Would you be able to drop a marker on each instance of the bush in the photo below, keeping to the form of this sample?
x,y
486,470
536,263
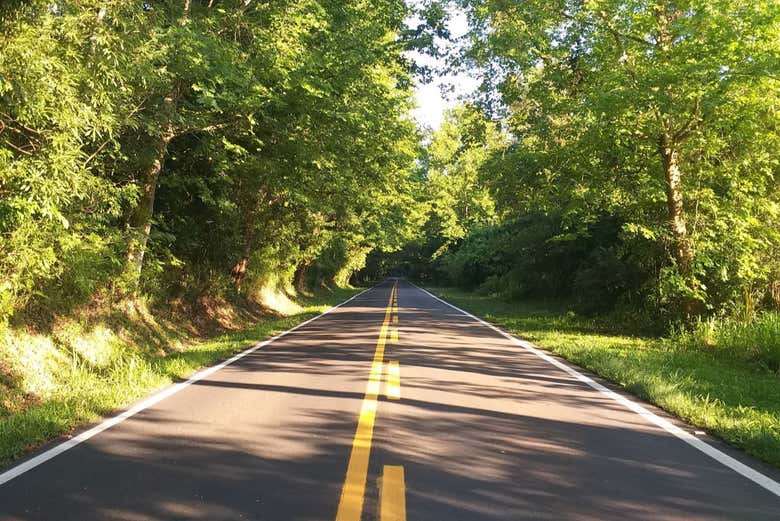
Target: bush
x,y
756,340
539,256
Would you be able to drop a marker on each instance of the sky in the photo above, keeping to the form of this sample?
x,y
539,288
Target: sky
x,y
431,103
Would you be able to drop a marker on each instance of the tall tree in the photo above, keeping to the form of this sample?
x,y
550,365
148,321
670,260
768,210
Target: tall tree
x,y
610,99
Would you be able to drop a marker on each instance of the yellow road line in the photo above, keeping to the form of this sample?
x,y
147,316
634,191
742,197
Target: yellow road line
x,y
392,495
395,319
393,381
394,334
354,489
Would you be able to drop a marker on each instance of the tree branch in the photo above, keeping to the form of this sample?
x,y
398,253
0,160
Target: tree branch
x,y
21,150
602,15
690,125
94,154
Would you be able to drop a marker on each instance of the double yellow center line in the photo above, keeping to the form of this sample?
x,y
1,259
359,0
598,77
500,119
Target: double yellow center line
x,y
353,491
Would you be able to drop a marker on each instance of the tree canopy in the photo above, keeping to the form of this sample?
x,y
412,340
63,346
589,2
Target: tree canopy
x,y
620,153
639,166
165,147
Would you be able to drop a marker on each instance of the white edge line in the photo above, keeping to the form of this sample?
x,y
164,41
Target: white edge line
x,y
718,455
45,456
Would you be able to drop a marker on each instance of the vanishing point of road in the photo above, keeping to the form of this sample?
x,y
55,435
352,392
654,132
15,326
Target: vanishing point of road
x,y
392,406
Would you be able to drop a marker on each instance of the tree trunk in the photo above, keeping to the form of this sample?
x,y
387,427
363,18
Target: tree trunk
x,y
185,12
140,222
299,278
681,248
239,271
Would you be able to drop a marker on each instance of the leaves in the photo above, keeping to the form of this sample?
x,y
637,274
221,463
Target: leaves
x,y
284,128
599,105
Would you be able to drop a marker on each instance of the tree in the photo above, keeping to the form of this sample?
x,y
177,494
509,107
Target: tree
x,y
192,140
615,103
459,199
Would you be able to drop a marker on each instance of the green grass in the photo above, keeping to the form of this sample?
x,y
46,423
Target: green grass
x,y
755,340
52,384
721,390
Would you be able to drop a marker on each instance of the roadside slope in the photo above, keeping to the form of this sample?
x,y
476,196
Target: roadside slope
x,y
56,382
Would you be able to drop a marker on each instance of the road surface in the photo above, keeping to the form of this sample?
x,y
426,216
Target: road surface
x,y
393,406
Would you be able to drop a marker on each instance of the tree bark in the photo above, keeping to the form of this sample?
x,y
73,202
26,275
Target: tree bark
x,y
681,248
249,233
299,278
239,271
140,221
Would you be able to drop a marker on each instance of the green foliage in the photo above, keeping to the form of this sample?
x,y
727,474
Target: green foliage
x,y
539,256
619,154
608,101
755,340
448,198
162,151
452,160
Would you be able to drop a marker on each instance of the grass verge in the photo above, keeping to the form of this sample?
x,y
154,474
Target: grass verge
x,y
52,383
730,397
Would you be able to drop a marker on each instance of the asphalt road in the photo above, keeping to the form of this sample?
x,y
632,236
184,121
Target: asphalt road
x,y
446,417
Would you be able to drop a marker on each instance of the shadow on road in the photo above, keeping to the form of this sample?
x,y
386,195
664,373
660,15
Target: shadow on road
x,y
485,431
